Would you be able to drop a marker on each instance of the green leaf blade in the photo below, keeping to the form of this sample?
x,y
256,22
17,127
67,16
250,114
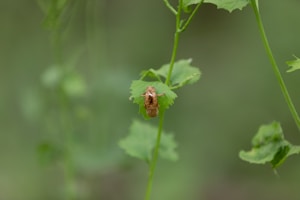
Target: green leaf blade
x,y
293,64
187,3
294,150
281,155
229,5
268,133
141,141
183,73
260,155
269,146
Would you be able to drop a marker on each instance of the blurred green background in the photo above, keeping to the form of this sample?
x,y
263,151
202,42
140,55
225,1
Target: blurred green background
x,y
104,45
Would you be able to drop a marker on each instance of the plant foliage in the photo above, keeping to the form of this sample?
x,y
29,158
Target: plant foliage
x,y
141,141
293,64
228,5
269,146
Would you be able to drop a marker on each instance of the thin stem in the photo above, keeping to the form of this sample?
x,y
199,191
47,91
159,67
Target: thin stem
x,y
191,16
175,44
275,67
170,7
155,156
65,120
162,114
69,173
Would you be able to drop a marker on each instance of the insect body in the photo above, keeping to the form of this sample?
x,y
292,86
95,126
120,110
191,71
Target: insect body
x,y
151,101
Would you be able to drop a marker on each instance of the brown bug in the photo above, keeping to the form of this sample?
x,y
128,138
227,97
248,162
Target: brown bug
x,y
151,101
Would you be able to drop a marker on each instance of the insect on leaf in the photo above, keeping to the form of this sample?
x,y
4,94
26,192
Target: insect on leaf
x,y
165,99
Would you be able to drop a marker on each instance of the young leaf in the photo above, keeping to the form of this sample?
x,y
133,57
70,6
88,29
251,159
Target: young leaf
x,y
183,73
294,64
141,141
270,146
229,5
138,88
151,73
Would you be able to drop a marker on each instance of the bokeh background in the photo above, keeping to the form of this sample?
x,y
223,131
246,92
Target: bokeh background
x,y
103,45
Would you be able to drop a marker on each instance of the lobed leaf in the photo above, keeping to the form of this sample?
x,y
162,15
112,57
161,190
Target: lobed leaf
x,y
268,133
293,64
138,88
183,73
270,146
229,5
141,141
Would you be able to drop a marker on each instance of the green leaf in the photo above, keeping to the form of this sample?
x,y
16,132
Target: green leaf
x,y
267,134
187,3
138,88
183,73
141,141
262,154
281,155
229,5
151,73
293,64
270,146
294,150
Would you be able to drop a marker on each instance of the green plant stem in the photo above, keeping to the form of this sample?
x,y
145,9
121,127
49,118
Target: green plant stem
x,y
162,114
155,156
66,125
191,16
68,161
175,43
170,7
274,66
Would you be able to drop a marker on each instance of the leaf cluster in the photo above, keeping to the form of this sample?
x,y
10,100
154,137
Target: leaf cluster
x,y
183,74
141,139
